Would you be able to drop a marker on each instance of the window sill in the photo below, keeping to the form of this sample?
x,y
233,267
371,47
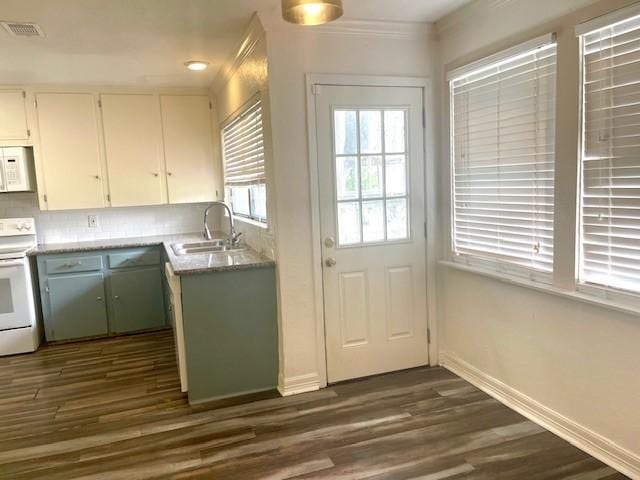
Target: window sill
x,y
249,221
541,287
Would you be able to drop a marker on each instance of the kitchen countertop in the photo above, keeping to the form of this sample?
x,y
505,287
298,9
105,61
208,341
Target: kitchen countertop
x,y
182,265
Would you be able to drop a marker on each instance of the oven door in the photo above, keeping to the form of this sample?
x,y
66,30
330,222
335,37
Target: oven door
x,y
16,295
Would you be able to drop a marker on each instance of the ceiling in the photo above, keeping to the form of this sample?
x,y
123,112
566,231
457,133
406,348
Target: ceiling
x,y
146,42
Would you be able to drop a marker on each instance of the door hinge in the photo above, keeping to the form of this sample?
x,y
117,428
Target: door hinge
x,y
35,103
24,94
108,197
99,103
28,132
210,105
428,335
45,197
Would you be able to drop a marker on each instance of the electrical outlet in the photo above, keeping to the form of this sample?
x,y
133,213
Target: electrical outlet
x,y
93,221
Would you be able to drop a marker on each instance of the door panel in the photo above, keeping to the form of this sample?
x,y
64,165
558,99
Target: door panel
x,y
372,211
70,150
77,306
188,147
13,115
137,300
133,147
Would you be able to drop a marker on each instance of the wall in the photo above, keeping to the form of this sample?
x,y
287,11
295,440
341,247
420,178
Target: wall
x,y
362,49
72,225
244,76
575,361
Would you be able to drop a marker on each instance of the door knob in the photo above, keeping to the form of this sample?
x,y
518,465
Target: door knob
x,y
329,242
330,262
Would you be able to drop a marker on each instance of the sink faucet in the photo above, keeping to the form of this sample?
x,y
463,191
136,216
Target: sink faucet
x,y
233,236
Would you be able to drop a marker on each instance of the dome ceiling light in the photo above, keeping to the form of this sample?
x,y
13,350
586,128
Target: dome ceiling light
x,y
311,12
196,65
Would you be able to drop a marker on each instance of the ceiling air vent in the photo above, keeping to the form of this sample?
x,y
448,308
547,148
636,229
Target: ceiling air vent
x,y
23,29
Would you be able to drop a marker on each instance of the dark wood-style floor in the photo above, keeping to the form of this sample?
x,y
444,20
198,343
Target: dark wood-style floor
x,y
112,409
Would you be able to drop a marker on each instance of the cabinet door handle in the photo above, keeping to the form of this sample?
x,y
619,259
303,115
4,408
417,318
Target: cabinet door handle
x,y
99,299
116,297
155,174
97,177
169,173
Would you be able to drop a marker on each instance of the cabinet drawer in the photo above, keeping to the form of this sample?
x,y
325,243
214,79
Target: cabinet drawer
x,y
73,264
134,259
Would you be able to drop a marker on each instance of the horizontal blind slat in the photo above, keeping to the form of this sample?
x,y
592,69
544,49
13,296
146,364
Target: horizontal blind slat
x,y
243,148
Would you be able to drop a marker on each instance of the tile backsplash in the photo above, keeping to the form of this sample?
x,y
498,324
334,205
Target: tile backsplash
x,y
73,225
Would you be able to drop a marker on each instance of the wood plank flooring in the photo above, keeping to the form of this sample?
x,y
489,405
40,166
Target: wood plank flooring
x,y
112,409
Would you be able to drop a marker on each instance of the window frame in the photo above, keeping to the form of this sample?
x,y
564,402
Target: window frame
x,y
229,188
605,293
493,265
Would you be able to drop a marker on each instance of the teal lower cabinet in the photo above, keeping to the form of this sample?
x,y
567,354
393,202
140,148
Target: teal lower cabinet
x,y
230,332
77,306
137,299
101,293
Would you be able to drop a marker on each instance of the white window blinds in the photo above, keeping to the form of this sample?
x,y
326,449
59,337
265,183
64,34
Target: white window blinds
x,y
503,142
610,200
243,148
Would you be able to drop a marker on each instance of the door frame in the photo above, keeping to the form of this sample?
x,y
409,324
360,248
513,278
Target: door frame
x,y
314,80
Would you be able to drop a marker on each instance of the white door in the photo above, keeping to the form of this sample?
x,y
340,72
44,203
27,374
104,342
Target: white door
x,y
70,150
133,144
188,148
372,210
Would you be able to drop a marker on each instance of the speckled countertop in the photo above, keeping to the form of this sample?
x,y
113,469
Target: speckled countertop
x,y
182,265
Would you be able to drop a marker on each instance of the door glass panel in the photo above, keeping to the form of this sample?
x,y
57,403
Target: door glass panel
x,y
396,172
371,131
371,185
394,131
347,178
349,223
397,218
372,221
345,127
371,172
6,299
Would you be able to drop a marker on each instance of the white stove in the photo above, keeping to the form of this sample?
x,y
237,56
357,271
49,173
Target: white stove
x,y
19,330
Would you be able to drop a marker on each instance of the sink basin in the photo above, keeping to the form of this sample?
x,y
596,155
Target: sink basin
x,y
209,246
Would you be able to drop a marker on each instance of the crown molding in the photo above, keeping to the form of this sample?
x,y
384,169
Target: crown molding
x,y
253,35
357,28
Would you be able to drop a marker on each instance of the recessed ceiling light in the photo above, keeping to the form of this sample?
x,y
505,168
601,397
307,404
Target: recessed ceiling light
x,y
196,65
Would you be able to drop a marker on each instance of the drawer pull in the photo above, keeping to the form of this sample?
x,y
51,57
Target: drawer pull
x,y
72,264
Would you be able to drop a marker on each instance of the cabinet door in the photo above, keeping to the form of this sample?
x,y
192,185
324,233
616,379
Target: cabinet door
x,y
137,300
70,150
132,136
13,115
77,307
188,148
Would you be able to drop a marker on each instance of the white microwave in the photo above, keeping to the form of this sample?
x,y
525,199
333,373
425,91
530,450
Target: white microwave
x,y
17,169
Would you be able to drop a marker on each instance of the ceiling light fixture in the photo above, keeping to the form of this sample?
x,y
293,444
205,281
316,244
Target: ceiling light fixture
x,y
311,12
196,65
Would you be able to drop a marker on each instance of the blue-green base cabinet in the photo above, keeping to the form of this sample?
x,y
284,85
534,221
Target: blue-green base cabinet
x,y
100,293
231,333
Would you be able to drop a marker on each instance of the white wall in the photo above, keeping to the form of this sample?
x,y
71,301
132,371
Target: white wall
x,y
579,360
72,225
292,53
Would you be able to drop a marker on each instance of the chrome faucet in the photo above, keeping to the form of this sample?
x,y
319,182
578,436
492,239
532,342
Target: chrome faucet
x,y
234,237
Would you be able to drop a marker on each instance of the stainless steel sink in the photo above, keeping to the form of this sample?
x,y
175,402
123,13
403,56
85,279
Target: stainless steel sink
x,y
209,246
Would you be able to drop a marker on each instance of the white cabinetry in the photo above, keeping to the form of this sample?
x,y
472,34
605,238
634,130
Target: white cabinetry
x,y
13,115
70,158
188,148
133,146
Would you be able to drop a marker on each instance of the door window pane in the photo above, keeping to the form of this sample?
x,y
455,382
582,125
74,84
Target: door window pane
x,y
347,178
394,136
345,126
397,219
370,131
371,172
396,173
372,221
348,223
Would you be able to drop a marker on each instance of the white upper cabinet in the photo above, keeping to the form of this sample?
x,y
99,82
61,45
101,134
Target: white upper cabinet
x,y
70,151
188,146
133,146
13,115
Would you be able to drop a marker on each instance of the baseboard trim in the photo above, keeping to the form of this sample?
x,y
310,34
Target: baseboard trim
x,y
309,382
587,440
